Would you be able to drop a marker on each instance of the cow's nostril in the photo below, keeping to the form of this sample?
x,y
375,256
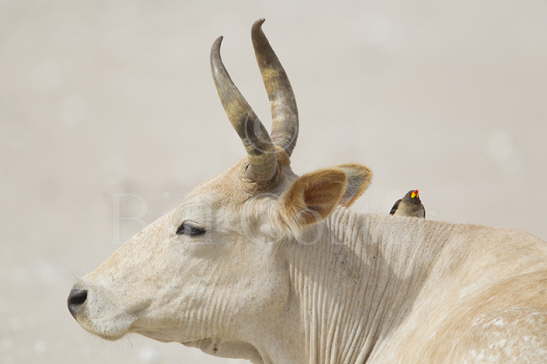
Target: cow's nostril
x,y
75,299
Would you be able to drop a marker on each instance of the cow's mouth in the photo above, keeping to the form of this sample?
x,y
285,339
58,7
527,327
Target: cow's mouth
x,y
108,329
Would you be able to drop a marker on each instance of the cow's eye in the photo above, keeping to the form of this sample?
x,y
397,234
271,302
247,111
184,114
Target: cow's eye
x,y
190,228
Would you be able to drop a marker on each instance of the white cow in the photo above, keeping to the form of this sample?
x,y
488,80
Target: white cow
x,y
261,264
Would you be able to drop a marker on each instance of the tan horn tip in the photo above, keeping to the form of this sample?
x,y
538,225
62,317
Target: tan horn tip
x,y
257,24
215,54
217,42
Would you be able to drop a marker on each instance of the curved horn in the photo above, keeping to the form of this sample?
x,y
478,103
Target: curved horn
x,y
280,93
257,142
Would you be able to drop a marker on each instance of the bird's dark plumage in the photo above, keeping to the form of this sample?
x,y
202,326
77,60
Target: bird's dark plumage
x,y
395,206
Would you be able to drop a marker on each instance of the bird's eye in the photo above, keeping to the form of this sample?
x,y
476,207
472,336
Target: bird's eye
x,y
190,229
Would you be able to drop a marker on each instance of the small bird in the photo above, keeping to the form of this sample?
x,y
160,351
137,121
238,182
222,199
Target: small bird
x,y
409,205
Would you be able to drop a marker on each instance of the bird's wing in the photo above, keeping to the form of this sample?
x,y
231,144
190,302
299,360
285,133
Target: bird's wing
x,y
395,206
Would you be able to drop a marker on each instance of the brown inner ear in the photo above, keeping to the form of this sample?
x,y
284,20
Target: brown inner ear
x,y
314,196
320,196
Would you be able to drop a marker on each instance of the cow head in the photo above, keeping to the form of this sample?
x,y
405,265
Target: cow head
x,y
217,264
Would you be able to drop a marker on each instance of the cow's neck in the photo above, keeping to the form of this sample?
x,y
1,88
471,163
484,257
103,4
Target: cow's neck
x,y
353,286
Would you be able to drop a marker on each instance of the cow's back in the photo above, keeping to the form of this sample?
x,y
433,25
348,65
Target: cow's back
x,y
485,301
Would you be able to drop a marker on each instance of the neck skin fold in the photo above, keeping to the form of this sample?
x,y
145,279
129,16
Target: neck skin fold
x,y
353,279
356,283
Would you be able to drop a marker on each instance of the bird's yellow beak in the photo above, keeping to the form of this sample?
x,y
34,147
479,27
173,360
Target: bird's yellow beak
x,y
414,194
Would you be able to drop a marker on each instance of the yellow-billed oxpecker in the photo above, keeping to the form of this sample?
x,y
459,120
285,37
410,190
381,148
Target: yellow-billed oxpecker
x,y
409,205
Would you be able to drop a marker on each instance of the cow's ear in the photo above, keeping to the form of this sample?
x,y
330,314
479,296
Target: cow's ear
x,y
358,177
313,196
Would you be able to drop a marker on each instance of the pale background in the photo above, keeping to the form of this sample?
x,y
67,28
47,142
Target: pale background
x,y
107,104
